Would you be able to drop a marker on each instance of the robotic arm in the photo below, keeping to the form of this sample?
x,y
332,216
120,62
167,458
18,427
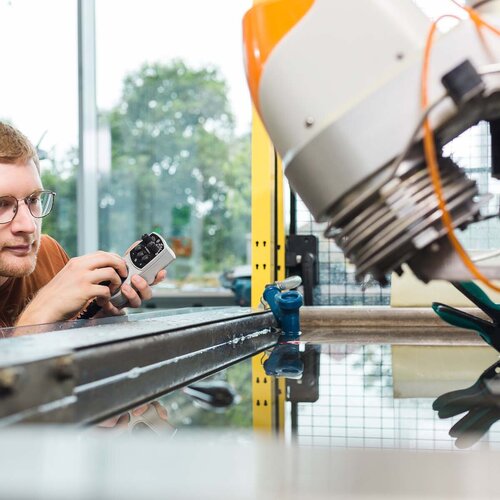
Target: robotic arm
x,y
337,85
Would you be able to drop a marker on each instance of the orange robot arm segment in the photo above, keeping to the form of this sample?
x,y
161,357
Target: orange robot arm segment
x,y
264,25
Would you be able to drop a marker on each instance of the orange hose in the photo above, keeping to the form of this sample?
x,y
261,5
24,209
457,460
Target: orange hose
x,y
476,18
430,151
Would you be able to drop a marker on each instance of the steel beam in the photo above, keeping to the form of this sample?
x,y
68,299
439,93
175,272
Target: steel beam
x,y
101,368
382,325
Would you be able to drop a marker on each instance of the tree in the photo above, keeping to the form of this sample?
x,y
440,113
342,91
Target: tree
x,y
177,165
61,224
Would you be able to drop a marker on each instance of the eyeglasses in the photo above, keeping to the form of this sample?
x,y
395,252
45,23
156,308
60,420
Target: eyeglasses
x,y
39,203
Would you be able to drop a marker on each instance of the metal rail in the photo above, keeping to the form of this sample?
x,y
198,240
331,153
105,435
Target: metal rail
x,y
84,372
383,325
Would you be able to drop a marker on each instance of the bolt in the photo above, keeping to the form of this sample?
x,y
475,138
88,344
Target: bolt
x,y
8,379
309,121
63,368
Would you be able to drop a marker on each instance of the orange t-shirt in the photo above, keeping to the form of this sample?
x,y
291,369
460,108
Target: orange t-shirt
x,y
16,293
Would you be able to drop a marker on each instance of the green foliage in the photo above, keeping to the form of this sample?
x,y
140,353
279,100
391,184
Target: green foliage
x,y
180,219
177,165
61,224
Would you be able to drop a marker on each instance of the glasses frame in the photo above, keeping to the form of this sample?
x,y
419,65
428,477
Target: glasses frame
x,y
25,199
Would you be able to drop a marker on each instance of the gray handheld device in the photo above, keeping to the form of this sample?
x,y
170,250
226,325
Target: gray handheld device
x,y
147,258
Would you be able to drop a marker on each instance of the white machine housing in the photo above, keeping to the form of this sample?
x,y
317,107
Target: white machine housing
x,y
340,98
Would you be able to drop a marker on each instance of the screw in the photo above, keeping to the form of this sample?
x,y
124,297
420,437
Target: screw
x,y
63,368
8,378
309,121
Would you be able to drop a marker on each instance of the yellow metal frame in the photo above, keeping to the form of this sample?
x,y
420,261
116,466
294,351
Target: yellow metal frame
x,y
268,265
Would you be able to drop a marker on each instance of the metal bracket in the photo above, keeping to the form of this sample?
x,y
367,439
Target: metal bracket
x,y
301,258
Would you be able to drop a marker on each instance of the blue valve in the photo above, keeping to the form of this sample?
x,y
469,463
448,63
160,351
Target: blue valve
x,y
284,360
285,307
289,304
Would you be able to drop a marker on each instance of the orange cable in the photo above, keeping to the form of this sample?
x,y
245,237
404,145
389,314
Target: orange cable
x,y
476,18
431,157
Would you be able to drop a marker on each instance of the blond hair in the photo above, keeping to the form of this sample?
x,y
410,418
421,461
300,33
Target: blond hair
x,y
15,146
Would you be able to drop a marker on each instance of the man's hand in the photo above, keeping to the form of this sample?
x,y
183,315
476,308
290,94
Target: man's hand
x,y
74,286
135,295
152,415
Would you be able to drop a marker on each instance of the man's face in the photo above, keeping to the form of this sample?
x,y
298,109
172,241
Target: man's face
x,y
20,238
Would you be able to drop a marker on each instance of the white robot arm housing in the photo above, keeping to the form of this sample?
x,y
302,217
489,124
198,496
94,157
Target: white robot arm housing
x,y
337,85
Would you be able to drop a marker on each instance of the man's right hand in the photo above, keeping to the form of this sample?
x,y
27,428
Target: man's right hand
x,y
74,286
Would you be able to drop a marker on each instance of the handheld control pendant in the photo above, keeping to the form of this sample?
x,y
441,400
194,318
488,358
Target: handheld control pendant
x,y
147,258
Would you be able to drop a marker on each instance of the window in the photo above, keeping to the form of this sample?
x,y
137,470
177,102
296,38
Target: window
x,y
39,95
174,122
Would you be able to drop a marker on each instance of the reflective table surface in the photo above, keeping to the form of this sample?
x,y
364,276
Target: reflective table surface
x,y
364,396
439,394
354,422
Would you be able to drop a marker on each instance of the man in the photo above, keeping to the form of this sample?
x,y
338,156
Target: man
x,y
38,281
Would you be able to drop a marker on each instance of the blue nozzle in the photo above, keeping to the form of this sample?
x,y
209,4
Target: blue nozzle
x,y
285,307
289,303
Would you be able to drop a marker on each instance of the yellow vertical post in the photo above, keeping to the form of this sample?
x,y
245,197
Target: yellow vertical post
x,y
268,265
